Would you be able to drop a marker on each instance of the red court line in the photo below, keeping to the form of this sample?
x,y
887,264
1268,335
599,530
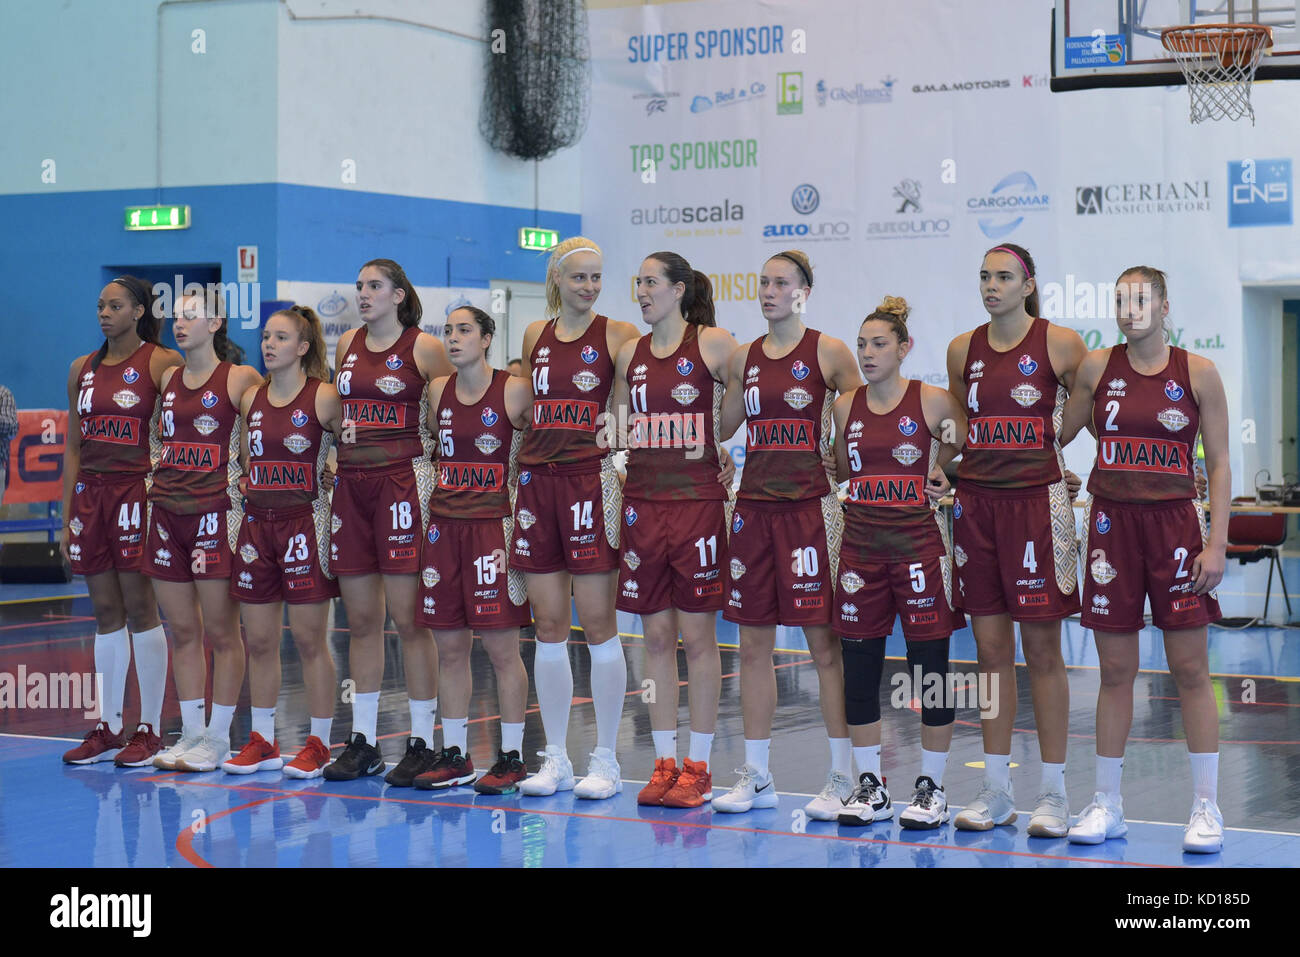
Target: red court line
x,y
194,858
185,839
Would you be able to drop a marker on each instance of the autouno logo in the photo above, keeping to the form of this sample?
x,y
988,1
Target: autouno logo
x,y
77,910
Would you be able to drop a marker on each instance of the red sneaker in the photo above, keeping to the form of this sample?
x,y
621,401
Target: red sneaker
x,y
694,786
141,749
99,745
257,755
310,762
505,775
661,782
451,770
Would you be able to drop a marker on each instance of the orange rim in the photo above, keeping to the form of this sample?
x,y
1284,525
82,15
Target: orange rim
x,y
1232,43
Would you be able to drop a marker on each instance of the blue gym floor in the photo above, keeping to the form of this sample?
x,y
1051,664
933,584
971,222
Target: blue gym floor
x,y
53,815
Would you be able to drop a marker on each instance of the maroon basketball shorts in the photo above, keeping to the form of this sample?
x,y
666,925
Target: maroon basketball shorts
x,y
191,547
108,523
1015,551
869,594
672,556
782,559
281,556
465,577
379,519
567,518
1139,550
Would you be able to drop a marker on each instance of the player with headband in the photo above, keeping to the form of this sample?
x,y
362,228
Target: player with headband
x,y
567,512
893,437
1013,527
785,532
1146,400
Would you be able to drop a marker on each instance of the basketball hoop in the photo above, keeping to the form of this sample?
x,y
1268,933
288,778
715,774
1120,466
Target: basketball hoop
x,y
1219,62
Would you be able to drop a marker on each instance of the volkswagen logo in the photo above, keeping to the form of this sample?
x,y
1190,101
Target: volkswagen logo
x,y
805,199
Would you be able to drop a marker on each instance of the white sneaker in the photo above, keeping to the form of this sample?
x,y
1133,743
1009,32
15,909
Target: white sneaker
x,y
993,806
1051,817
869,802
1204,832
604,778
835,793
207,755
754,789
556,774
166,760
929,807
1100,821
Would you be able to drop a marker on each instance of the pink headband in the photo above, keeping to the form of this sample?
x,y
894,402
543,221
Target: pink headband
x,y
1003,249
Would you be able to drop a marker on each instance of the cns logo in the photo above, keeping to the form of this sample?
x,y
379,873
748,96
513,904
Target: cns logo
x,y
1259,192
1002,209
805,199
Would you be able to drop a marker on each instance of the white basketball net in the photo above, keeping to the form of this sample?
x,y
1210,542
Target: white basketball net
x,y
1219,64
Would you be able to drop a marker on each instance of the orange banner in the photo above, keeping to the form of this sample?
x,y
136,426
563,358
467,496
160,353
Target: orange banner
x,y
36,456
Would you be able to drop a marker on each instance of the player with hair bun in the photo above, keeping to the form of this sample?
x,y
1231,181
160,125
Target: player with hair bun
x,y
112,447
1146,400
895,561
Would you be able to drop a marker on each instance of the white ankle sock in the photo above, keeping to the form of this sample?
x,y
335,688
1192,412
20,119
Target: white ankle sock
x,y
867,759
701,746
192,717
997,769
422,712
1109,771
455,733
264,724
933,764
365,713
756,753
1205,775
665,744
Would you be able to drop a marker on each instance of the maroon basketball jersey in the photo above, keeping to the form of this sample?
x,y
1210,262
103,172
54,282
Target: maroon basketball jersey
x,y
890,456
199,467
476,446
1146,431
118,405
788,423
287,447
1014,405
384,398
673,424
571,388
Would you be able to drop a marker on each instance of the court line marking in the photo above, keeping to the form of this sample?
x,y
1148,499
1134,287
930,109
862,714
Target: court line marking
x,y
185,839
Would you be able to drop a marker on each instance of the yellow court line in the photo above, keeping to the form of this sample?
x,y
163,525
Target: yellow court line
x,y
23,601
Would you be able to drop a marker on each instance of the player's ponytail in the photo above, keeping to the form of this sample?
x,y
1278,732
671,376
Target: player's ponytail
x,y
697,297
1031,272
314,362
146,324
409,310
893,310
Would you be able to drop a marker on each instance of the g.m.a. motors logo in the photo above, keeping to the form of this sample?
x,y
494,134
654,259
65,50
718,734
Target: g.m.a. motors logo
x,y
1259,192
1003,208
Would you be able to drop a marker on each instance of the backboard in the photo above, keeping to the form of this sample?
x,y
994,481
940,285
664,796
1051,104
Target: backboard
x,y
1101,43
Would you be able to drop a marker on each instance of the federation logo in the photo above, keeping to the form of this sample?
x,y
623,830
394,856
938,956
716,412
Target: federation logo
x,y
434,534
907,453
1173,419
684,365
430,577
487,416
297,444
126,398
393,362
209,399
799,370
129,375
1027,365
737,568
737,523
1025,395
589,354
798,398
1173,390
81,487
299,418
852,582
684,393
526,519
76,525
632,560
959,555
206,424
390,384
956,508
248,553
907,426
525,478
586,380
1103,573
487,443
629,515
1103,523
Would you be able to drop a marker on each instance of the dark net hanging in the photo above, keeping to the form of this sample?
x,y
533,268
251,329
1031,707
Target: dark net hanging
x,y
539,78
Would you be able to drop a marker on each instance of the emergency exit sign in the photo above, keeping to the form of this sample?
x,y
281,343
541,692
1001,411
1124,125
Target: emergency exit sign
x,y
531,237
157,217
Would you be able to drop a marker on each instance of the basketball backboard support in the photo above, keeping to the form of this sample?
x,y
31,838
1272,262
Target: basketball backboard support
x,y
1103,43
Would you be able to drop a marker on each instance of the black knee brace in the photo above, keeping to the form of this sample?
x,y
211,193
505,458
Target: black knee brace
x,y
932,658
864,661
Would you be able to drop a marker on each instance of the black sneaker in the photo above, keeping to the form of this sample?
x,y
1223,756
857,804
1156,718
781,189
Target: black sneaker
x,y
358,759
504,777
417,759
452,769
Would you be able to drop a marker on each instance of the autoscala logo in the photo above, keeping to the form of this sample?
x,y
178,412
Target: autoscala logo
x,y
725,212
1259,192
907,224
959,86
733,96
859,95
1003,208
805,199
1121,199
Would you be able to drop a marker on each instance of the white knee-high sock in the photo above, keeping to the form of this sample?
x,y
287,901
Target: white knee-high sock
x,y
608,689
151,670
553,676
112,658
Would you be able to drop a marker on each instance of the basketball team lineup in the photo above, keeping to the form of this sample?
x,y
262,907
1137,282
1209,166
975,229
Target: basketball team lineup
x,y
417,482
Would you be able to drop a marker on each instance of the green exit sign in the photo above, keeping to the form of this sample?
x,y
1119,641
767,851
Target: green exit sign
x,y
157,217
531,237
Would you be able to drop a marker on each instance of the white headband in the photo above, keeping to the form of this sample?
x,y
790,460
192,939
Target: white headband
x,y
577,249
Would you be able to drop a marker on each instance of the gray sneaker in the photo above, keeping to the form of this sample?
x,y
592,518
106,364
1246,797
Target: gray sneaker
x,y
993,806
166,760
1051,817
207,755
